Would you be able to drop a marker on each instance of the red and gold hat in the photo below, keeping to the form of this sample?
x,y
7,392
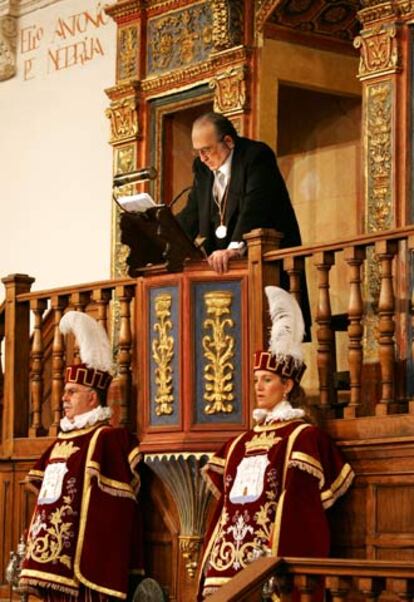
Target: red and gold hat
x,y
94,351
285,354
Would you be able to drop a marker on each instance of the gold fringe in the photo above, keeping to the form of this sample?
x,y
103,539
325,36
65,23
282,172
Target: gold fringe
x,y
209,482
309,469
108,489
37,583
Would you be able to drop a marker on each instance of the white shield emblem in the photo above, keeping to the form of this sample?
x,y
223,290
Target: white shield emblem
x,y
249,481
52,483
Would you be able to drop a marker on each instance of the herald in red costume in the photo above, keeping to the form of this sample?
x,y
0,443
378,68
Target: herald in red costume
x,y
274,484
82,530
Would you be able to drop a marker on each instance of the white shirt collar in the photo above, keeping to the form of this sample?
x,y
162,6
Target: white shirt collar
x,y
225,168
281,412
98,414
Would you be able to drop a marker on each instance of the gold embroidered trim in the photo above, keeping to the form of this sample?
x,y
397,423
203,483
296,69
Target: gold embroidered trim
x,y
209,481
216,581
82,524
35,474
110,486
338,487
308,464
28,573
218,461
291,441
278,523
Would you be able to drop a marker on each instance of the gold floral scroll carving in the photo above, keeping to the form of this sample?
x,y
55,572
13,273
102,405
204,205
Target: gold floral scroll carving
x,y
379,51
230,90
8,37
227,23
163,354
124,120
127,53
218,350
190,546
379,98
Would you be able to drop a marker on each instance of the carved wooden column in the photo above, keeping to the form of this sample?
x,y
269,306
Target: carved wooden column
x,y
385,74
260,274
38,306
79,300
324,261
354,256
58,304
17,353
339,587
125,295
8,42
101,297
294,267
385,250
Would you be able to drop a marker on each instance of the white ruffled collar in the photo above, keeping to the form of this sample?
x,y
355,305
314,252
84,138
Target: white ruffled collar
x,y
281,412
98,414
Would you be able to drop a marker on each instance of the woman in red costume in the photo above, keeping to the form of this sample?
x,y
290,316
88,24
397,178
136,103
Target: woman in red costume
x,y
275,481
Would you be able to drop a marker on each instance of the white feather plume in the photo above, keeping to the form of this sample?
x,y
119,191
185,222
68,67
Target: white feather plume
x,y
288,327
94,347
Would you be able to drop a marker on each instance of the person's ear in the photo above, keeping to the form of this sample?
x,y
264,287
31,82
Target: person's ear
x,y
229,142
289,384
93,399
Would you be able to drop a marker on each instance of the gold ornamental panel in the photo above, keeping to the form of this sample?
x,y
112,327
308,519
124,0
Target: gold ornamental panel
x,y
123,117
218,347
127,67
230,90
163,355
8,38
379,51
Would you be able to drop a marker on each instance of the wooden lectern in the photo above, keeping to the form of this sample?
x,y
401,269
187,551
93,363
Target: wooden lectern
x,y
156,238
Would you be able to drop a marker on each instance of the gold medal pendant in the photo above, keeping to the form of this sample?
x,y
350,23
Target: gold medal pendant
x,y
221,231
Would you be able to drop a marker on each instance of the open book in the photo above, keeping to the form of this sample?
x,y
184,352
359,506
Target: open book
x,y
137,203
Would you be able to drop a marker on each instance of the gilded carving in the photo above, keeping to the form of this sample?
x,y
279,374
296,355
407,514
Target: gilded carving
x,y
230,90
227,23
163,354
8,37
179,38
124,120
378,101
127,53
181,474
263,10
190,547
218,350
125,159
379,51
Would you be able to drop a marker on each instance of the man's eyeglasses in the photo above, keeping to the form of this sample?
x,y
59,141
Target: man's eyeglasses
x,y
205,151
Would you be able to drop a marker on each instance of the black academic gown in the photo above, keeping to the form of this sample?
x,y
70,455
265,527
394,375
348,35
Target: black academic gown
x,y
257,197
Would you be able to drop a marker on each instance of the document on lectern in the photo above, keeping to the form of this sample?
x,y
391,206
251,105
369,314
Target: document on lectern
x,y
137,203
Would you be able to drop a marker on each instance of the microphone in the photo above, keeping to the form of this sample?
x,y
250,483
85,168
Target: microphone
x,y
140,175
179,195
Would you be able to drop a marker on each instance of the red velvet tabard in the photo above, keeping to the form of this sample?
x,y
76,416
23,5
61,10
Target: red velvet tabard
x,y
82,529
273,483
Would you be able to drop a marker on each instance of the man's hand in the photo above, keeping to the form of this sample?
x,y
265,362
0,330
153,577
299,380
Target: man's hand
x,y
219,260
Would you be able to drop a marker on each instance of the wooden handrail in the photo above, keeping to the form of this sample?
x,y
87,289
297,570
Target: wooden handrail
x,y
67,290
362,240
251,579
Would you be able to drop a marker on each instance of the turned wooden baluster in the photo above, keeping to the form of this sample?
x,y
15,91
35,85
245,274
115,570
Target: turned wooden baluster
x,y
294,267
101,297
37,306
354,256
125,295
306,585
79,301
339,587
324,261
370,587
385,251
58,304
403,588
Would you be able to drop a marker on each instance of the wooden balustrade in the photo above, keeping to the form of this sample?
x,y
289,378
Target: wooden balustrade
x,y
360,269
2,333
344,580
263,267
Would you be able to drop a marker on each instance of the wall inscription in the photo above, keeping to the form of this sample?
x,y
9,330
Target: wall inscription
x,y
68,41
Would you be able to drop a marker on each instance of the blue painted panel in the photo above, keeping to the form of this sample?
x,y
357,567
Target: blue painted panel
x,y
174,418
199,316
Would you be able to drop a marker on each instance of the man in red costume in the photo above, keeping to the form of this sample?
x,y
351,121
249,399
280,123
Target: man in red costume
x,y
84,538
275,481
